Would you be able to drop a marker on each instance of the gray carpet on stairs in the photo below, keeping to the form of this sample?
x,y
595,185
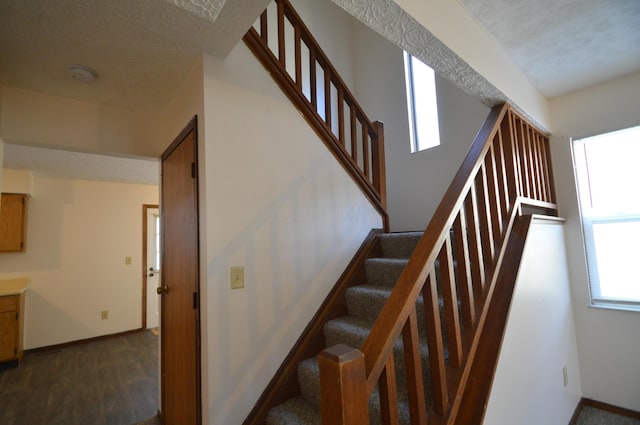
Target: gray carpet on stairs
x,y
364,304
592,416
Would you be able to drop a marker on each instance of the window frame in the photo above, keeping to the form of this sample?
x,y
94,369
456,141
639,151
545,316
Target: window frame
x,y
420,143
591,215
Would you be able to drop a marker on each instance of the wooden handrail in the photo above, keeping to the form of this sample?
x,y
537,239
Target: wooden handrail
x,y
507,168
301,68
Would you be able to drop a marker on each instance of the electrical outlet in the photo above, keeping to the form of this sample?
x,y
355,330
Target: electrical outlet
x,y
104,314
237,277
127,261
565,376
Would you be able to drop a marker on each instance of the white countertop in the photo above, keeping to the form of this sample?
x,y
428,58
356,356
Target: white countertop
x,y
13,286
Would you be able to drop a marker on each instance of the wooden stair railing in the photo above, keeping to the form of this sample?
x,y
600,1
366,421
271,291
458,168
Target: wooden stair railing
x,y
508,168
286,48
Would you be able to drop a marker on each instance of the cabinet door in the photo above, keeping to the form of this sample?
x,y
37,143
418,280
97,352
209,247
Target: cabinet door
x,y
13,211
8,335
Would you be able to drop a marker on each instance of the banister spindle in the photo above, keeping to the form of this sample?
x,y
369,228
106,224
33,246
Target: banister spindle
x,y
389,394
463,270
413,370
327,96
365,150
503,181
450,298
484,214
435,344
475,246
281,42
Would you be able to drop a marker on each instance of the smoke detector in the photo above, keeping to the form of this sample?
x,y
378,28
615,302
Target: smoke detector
x,y
82,73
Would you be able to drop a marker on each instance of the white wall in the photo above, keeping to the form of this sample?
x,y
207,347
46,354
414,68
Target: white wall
x,y
41,119
415,182
608,340
79,233
528,387
16,181
277,202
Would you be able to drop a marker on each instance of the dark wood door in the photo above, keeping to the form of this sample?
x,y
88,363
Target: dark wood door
x,y
180,313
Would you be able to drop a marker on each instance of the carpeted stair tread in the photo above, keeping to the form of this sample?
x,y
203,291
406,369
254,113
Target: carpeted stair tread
x,y
399,245
295,411
364,303
384,271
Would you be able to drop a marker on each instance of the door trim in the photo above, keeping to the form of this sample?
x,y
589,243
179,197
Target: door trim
x,y
192,126
145,267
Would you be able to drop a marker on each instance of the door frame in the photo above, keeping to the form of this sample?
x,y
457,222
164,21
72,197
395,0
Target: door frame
x,y
192,126
145,267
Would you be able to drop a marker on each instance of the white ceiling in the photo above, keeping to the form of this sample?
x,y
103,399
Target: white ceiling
x,y
565,45
143,49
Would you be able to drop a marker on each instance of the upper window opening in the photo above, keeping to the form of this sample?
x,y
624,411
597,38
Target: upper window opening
x,y
607,174
422,104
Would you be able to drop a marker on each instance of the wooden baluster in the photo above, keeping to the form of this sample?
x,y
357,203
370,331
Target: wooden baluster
x,y
263,27
552,187
327,96
503,179
389,394
343,396
524,157
475,247
313,78
511,158
531,163
281,42
463,270
365,150
484,215
542,174
494,196
545,170
413,370
377,162
298,55
341,116
435,344
354,135
450,298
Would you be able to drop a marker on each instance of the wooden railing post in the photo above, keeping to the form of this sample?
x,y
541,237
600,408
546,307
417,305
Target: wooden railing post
x,y
343,393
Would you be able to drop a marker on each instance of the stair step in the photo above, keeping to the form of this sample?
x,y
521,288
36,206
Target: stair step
x,y
384,272
399,245
296,411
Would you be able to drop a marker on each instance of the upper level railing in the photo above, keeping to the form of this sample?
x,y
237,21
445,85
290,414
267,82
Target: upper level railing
x,y
284,45
507,168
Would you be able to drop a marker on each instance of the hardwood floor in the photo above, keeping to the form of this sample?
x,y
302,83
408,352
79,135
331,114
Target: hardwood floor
x,y
106,382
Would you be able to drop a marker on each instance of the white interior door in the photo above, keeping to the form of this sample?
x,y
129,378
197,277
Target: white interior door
x,y
153,267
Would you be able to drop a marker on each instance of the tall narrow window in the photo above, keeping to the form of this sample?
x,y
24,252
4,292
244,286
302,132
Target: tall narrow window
x,y
608,176
422,104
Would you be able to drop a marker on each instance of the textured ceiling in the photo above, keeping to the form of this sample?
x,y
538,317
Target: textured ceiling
x,y
47,162
141,49
565,45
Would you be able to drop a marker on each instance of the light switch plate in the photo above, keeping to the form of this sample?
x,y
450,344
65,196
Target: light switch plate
x,y
237,277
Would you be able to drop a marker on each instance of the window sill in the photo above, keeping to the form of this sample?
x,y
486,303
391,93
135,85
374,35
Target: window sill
x,y
618,307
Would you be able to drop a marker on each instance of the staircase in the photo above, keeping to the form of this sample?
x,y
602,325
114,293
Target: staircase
x,y
364,303
415,323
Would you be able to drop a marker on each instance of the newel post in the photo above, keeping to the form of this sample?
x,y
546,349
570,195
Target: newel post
x,y
343,394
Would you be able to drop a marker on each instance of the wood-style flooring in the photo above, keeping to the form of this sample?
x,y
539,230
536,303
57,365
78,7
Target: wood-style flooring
x,y
112,381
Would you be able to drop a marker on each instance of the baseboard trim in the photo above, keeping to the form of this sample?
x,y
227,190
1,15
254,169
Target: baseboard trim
x,y
602,406
57,347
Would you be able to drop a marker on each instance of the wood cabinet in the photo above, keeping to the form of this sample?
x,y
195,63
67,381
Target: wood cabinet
x,y
13,222
11,326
